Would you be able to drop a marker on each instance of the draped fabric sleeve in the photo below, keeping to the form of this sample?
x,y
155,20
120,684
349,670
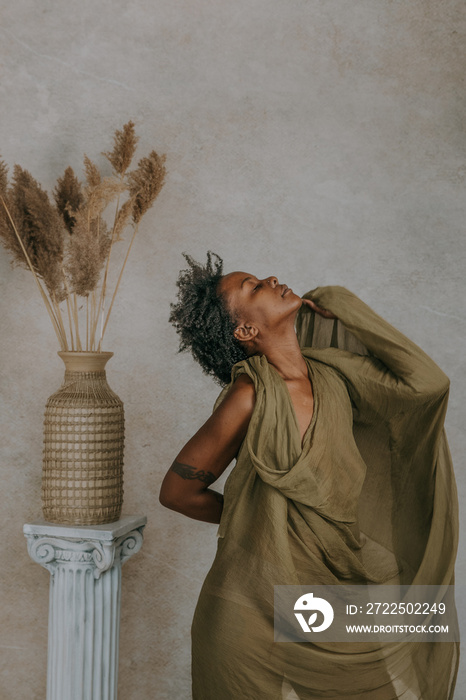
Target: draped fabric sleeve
x,y
396,377
409,499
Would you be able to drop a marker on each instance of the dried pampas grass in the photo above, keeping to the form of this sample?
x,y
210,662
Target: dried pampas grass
x,y
68,245
68,197
125,142
41,231
86,254
145,183
3,177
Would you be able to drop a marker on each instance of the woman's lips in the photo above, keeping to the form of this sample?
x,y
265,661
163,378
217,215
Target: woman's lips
x,y
286,290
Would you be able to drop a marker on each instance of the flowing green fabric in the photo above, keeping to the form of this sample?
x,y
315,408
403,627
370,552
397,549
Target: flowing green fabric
x,y
368,497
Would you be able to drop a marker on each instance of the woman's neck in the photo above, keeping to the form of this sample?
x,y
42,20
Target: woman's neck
x,y
284,353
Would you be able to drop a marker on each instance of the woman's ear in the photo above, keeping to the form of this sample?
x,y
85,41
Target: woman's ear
x,y
245,333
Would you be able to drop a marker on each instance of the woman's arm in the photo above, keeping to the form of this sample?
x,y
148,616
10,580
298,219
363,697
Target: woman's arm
x,y
411,368
207,454
397,377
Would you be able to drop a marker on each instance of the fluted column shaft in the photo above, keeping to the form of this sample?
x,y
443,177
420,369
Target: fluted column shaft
x,y
84,609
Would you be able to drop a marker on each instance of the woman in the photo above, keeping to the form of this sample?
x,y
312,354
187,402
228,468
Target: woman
x,y
342,476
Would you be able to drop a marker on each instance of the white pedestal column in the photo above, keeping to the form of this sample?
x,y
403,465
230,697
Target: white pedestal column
x,y
84,609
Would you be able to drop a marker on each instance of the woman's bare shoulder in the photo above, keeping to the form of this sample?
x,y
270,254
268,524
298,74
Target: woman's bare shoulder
x,y
241,396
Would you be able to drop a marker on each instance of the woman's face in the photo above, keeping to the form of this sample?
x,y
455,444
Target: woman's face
x,y
263,303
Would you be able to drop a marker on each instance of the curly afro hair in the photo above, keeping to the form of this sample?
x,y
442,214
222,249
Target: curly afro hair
x,y
202,320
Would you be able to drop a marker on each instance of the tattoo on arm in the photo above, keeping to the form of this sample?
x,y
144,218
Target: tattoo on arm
x,y
188,472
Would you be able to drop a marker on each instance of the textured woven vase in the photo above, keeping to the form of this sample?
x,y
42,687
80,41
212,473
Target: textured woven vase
x,y
82,480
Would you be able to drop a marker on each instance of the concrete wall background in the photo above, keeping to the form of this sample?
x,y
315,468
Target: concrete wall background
x,y
323,142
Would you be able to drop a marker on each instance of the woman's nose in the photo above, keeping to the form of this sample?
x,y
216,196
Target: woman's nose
x,y
272,281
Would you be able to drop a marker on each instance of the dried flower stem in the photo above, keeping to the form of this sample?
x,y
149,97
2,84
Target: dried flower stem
x,y
76,323
60,320
103,291
68,306
91,320
87,322
42,292
117,285
69,320
95,317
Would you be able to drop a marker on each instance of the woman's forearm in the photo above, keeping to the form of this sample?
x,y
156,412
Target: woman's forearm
x,y
205,505
185,489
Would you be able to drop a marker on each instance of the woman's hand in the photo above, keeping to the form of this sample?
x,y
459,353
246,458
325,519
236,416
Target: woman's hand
x,y
318,310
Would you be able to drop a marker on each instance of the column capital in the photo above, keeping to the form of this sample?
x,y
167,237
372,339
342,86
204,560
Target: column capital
x,y
95,546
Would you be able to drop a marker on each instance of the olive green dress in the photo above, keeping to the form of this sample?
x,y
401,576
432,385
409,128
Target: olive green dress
x,y
368,497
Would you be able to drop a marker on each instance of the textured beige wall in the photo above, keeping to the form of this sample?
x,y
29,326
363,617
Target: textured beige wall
x,y
321,141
